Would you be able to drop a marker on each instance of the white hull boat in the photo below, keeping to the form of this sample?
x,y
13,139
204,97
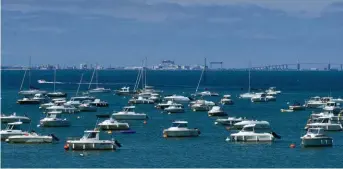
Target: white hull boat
x,y
32,138
112,124
128,113
14,118
177,99
12,129
216,111
174,109
315,137
180,129
229,121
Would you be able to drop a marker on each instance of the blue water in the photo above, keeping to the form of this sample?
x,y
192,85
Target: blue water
x,y
147,147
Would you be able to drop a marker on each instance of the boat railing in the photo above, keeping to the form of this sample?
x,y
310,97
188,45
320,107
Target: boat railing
x,y
73,138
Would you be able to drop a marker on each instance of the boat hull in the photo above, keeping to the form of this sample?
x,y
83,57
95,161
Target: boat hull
x,y
5,135
114,127
29,102
316,142
252,138
60,123
11,120
77,145
183,133
129,117
28,139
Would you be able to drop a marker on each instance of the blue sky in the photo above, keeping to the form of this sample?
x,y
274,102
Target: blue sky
x,y
123,32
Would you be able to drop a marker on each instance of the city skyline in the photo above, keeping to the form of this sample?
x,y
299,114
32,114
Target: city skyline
x,y
122,33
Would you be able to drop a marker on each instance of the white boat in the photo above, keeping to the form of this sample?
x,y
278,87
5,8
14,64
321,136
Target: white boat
x,y
32,91
56,94
111,124
91,141
180,129
140,100
167,104
249,94
226,100
315,102
41,98
128,113
332,107
315,137
13,118
27,100
54,119
32,137
174,109
254,133
273,91
326,123
207,93
205,102
177,98
259,97
216,111
296,106
77,101
46,105
124,91
200,107
155,97
97,89
241,124
12,129
270,97
230,121
63,108
99,103
87,107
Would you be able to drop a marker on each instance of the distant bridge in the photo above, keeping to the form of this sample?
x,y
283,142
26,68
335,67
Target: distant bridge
x,y
297,66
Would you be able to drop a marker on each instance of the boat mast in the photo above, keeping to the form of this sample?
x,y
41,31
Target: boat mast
x,y
78,88
30,72
202,72
138,79
146,63
96,76
22,82
91,80
249,77
55,79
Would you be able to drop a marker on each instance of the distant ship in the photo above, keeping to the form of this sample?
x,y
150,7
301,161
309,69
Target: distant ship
x,y
44,81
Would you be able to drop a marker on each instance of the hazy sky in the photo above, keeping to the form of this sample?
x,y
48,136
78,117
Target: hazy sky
x,y
123,32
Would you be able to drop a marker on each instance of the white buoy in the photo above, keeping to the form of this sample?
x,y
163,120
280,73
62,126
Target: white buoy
x,y
38,125
78,117
81,155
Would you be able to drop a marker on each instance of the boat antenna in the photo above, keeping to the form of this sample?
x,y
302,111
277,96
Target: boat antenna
x,y
78,88
145,67
96,75
91,80
249,77
22,82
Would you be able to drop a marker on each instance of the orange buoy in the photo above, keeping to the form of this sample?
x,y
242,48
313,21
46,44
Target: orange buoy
x,y
165,135
109,132
292,146
66,147
144,122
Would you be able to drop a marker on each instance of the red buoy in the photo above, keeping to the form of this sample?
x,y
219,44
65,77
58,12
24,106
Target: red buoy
x,y
292,146
66,147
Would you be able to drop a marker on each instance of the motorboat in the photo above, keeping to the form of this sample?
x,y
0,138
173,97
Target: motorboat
x,y
230,121
315,137
91,141
270,97
149,89
155,97
216,111
206,93
226,100
204,102
46,105
332,107
56,94
32,137
315,102
326,123
241,124
259,97
124,91
254,133
99,90
178,98
200,107
14,118
41,98
296,106
99,103
112,124
31,92
128,113
87,107
248,95
27,100
167,104
54,119
272,91
140,100
180,129
174,109
337,100
12,129
76,101
63,108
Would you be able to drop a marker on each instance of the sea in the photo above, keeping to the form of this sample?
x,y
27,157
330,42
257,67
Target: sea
x,y
147,147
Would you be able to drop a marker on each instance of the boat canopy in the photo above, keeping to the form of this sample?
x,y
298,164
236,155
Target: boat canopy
x,y
319,131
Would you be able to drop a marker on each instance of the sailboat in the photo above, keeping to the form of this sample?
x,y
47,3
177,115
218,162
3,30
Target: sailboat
x,y
206,92
56,94
250,94
97,89
32,90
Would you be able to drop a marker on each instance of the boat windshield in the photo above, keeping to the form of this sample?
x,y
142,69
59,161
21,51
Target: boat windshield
x,y
91,135
51,115
13,127
248,129
315,131
179,125
331,104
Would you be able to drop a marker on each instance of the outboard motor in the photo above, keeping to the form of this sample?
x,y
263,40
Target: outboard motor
x,y
191,98
198,130
117,143
275,135
54,137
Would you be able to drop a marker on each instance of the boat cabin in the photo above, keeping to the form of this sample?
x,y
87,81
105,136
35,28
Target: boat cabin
x,y
316,98
54,114
14,126
332,104
227,96
315,131
91,135
256,128
82,98
124,89
325,120
129,108
180,124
